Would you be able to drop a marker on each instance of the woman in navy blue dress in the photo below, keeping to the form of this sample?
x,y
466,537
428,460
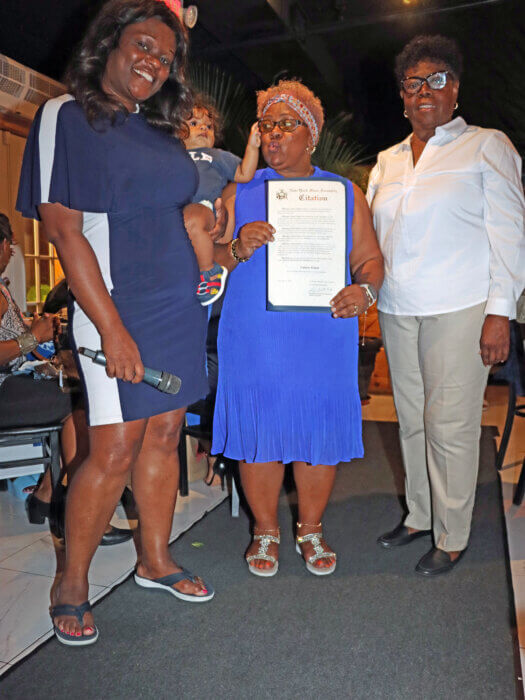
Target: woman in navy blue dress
x,y
109,181
287,389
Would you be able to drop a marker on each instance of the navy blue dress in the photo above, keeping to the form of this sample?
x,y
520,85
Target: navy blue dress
x,y
287,387
131,182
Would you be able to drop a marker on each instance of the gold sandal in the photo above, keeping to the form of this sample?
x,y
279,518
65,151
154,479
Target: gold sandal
x,y
264,541
319,551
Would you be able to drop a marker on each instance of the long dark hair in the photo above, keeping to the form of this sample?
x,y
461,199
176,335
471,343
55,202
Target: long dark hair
x,y
164,110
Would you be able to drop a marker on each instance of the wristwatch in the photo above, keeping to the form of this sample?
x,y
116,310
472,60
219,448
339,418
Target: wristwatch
x,y
370,292
26,342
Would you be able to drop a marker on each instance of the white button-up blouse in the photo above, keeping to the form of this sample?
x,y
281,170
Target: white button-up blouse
x,y
451,229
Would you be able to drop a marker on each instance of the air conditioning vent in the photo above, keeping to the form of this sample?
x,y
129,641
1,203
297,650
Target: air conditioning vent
x,y
23,90
10,87
10,69
36,98
45,86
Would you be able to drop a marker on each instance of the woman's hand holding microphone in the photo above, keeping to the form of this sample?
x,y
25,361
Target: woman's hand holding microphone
x,y
122,355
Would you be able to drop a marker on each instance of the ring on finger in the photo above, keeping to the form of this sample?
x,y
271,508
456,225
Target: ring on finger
x,y
356,309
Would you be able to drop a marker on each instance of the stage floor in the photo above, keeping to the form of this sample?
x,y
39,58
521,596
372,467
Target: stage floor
x,y
381,407
28,562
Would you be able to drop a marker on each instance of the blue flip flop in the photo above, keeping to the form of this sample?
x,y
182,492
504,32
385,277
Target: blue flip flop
x,y
77,611
166,583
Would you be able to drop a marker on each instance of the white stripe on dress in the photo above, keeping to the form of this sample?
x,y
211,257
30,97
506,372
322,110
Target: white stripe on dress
x,y
102,392
46,142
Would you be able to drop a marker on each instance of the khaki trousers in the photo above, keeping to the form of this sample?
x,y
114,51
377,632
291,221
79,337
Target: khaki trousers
x,y
438,380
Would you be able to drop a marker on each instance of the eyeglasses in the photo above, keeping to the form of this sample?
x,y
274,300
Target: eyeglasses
x,y
435,81
286,124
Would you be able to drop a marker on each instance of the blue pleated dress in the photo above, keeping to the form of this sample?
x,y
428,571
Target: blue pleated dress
x,y
131,182
287,380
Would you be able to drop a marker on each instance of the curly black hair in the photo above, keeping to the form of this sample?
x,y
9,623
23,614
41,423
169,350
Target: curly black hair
x,y
164,110
430,47
6,232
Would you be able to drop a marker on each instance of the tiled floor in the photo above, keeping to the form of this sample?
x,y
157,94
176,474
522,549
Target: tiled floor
x,y
28,563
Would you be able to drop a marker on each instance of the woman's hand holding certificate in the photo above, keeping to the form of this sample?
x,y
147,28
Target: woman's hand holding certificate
x,y
350,301
253,236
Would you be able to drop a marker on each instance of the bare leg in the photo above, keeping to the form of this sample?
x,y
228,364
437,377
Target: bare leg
x,y
262,484
74,443
45,488
314,486
155,480
93,495
199,220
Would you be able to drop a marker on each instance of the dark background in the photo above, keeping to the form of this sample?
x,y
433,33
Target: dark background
x,y
343,49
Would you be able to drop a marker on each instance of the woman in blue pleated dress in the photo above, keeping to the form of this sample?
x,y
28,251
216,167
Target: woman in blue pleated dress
x,y
109,181
288,380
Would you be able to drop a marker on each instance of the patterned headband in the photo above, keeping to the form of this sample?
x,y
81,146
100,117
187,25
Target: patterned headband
x,y
301,109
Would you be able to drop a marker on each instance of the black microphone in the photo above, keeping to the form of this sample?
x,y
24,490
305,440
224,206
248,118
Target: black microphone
x,y
163,381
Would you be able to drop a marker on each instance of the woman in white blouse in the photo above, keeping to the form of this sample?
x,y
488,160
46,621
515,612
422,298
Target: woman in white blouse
x,y
448,210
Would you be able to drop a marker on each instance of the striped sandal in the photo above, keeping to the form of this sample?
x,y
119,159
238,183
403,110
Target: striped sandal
x,y
319,552
264,540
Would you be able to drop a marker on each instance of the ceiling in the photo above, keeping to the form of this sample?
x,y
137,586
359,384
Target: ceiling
x,y
343,49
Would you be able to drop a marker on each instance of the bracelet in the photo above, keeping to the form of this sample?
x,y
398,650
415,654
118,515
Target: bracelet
x,y
370,292
233,246
26,342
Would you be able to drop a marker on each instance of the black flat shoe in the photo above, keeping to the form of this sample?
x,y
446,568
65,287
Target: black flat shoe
x,y
400,536
37,510
437,562
115,536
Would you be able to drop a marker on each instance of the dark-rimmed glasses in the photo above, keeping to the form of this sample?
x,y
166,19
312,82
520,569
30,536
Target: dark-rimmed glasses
x,y
435,81
286,124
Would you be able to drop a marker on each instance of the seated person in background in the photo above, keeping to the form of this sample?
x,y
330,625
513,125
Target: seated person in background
x,y
216,168
26,401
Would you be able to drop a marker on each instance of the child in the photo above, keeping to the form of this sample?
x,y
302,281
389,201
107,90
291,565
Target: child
x,y
216,168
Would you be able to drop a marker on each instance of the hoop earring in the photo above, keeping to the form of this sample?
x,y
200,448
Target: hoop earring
x,y
310,149
456,106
